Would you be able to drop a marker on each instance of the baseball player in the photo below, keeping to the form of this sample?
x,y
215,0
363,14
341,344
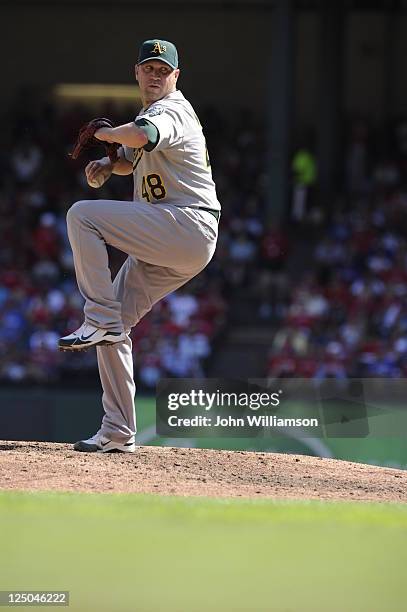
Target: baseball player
x,y
169,232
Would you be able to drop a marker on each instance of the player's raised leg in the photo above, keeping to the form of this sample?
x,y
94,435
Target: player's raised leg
x,y
181,239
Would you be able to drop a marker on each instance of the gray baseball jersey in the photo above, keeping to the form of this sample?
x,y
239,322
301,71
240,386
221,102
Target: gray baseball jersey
x,y
177,169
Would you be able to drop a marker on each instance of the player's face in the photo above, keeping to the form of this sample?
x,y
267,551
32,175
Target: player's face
x,y
156,79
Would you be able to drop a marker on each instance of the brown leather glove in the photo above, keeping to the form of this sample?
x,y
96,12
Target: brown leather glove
x,y
86,139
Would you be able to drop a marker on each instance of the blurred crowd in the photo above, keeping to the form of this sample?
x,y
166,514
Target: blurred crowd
x,y
346,315
332,284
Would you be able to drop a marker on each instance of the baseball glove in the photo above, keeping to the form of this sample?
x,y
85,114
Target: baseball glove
x,y
86,139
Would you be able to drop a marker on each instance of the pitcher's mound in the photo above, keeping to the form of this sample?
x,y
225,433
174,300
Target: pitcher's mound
x,y
181,471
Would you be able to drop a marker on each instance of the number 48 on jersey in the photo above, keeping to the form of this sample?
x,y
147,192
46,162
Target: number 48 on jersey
x,y
152,187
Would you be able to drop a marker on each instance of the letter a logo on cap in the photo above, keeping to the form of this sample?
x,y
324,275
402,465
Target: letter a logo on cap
x,y
158,48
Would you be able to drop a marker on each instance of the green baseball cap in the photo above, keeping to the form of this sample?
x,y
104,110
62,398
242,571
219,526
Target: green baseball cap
x,y
158,49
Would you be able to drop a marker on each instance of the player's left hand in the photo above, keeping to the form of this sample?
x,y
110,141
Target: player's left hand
x,y
86,138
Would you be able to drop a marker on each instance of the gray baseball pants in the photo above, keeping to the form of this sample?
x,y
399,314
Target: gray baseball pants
x,y
166,246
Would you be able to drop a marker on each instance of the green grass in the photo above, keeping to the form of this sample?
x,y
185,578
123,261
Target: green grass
x,y
146,553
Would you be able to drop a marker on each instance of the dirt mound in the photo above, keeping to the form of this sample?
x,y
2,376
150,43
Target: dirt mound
x,y
181,471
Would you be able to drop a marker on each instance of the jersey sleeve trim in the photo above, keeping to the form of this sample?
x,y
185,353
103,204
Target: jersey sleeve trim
x,y
151,131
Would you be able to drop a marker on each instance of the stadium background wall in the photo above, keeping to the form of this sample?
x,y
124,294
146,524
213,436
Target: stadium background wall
x,y
45,52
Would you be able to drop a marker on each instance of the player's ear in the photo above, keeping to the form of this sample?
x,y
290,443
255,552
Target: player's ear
x,y
136,72
176,73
